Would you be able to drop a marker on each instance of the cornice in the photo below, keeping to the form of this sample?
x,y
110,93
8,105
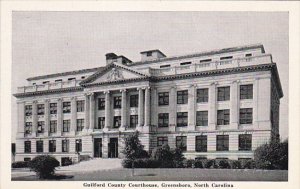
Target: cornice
x,y
117,81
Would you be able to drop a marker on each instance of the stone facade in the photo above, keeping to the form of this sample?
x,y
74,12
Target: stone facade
x,y
216,104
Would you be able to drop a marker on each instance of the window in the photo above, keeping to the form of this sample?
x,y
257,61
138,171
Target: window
x,y
52,146
201,143
53,108
101,123
165,66
205,60
222,142
149,54
27,159
78,145
202,95
161,141
246,91
117,102
182,119
66,125
27,146
72,78
80,124
246,116
53,125
39,146
182,97
66,107
80,106
45,82
185,63
134,100
58,80
248,55
163,120
65,145
101,103
245,142
223,93
223,117
133,121
181,143
117,121
41,109
226,57
41,126
28,110
202,118
163,98
28,127
82,77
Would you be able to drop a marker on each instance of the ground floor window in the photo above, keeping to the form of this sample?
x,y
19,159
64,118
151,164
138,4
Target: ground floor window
x,y
133,121
201,143
27,159
78,144
65,145
39,146
222,142
161,141
245,142
52,146
27,146
181,143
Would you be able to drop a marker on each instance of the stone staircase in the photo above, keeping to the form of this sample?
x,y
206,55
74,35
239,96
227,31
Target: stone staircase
x,y
95,164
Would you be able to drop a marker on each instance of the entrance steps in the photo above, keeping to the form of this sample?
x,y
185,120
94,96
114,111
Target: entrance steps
x,y
93,165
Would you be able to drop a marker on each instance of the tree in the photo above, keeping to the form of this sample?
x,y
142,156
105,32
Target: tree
x,y
44,166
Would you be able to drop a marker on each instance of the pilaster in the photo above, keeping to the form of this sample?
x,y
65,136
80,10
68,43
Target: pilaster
x,y
123,110
73,115
47,114
59,116
107,111
34,118
87,112
234,105
212,113
21,119
92,111
173,109
141,108
147,107
191,108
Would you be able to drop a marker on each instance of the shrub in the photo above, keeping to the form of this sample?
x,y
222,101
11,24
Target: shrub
x,y
44,166
20,164
188,163
198,163
209,163
178,158
223,164
168,158
133,147
248,164
141,163
236,164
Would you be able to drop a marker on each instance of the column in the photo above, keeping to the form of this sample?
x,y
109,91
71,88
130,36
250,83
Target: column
x,y
191,108
34,118
47,121
123,110
147,106
107,111
73,114
153,109
87,112
21,119
255,103
92,111
59,116
141,108
212,120
234,105
173,108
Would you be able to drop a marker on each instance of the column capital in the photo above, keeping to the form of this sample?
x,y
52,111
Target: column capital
x,y
236,81
123,90
139,88
59,99
73,98
106,92
47,100
192,85
214,83
173,87
35,102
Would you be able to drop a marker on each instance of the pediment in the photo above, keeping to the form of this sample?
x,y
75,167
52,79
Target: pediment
x,y
114,73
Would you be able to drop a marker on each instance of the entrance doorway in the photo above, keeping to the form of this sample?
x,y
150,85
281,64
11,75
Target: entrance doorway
x,y
113,148
97,147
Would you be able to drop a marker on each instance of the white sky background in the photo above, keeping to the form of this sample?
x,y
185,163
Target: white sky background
x,y
50,42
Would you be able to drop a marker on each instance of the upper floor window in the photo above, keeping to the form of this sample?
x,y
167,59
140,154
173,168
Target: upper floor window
x,y
27,146
65,145
246,91
78,145
101,123
28,127
163,98
165,66
53,126
185,63
28,110
41,109
161,141
182,97
163,120
41,126
52,145
66,125
245,142
53,108
45,82
72,78
133,121
222,142
80,124
182,119
149,54
248,55
202,118
39,146
246,116
223,117
101,103
117,102
181,143
66,107
134,100
117,121
223,93
58,80
226,57
201,143
205,60
82,77
202,95
80,106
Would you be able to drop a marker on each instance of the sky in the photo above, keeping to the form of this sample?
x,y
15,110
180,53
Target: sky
x,y
51,42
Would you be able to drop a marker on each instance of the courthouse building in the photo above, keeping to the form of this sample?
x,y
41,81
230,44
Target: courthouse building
x,y
215,104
